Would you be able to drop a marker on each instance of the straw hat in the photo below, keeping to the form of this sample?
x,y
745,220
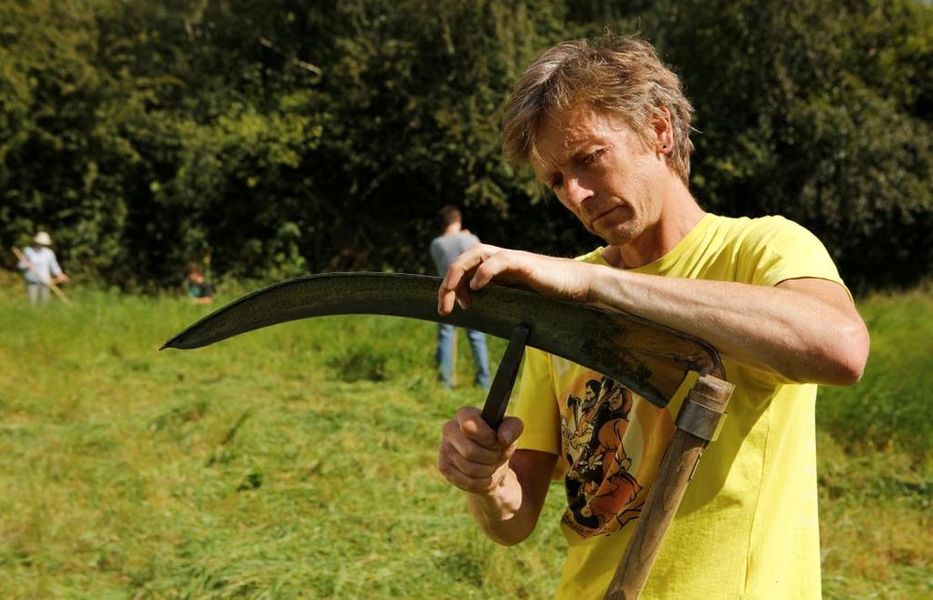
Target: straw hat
x,y
43,239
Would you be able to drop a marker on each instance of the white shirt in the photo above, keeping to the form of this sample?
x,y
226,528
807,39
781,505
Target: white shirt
x,y
44,265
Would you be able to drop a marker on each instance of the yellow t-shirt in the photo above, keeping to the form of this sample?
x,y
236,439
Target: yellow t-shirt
x,y
747,527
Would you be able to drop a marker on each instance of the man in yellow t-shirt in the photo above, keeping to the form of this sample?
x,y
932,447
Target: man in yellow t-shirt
x,y
605,126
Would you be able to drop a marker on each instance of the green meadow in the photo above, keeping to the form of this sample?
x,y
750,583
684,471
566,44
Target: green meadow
x,y
298,461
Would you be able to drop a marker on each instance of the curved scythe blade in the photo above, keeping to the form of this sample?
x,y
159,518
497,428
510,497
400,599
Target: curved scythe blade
x,y
648,358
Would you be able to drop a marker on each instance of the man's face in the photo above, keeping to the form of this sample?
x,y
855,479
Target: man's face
x,y
602,172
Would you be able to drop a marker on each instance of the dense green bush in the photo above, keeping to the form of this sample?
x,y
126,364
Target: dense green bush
x,y
282,137
819,115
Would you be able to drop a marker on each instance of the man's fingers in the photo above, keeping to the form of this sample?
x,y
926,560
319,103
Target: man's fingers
x,y
509,431
455,286
475,428
471,424
447,292
505,266
468,474
460,444
472,455
489,269
465,482
559,277
473,469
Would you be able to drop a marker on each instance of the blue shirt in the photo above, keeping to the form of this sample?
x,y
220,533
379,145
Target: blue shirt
x,y
446,248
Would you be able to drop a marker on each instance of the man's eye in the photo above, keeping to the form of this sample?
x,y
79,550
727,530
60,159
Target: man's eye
x,y
593,156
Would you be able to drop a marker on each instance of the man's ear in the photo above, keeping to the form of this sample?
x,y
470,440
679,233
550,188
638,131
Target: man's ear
x,y
663,130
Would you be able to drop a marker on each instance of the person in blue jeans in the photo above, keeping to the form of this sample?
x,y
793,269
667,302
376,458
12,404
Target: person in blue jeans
x,y
444,249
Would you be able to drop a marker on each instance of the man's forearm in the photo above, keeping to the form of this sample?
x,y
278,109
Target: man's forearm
x,y
804,330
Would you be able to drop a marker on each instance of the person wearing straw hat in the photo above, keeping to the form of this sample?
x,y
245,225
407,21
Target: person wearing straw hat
x,y
40,268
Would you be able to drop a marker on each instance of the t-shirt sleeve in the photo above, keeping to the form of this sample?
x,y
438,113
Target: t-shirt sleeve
x,y
537,405
777,249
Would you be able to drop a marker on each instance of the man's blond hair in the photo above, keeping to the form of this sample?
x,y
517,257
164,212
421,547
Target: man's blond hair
x,y
616,74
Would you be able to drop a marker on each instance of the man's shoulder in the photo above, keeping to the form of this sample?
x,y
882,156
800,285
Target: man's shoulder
x,y
37,253
754,231
760,223
769,249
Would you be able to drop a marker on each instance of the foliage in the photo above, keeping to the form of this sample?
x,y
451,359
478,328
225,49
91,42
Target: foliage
x,y
820,115
279,137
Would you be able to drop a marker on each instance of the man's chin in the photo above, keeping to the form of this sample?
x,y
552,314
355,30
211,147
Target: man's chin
x,y
614,231
615,236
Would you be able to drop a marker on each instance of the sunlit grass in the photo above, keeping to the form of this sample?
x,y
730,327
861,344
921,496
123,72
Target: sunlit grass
x,y
890,408
298,461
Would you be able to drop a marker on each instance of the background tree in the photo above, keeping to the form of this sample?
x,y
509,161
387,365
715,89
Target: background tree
x,y
818,115
279,137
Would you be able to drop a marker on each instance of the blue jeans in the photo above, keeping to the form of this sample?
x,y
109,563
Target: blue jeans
x,y
445,355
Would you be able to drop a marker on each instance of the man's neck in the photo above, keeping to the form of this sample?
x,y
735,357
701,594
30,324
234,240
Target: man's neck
x,y
452,228
679,214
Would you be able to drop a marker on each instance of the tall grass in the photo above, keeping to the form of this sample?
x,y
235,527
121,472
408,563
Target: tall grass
x,y
298,461
874,452
890,409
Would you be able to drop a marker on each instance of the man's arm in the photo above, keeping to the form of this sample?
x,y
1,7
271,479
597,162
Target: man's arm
x,y
26,259
805,330
506,487
57,273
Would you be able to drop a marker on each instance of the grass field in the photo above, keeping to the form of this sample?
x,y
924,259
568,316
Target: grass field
x,y
298,461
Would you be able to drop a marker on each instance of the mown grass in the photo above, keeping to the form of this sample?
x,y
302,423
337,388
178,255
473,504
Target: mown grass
x,y
298,461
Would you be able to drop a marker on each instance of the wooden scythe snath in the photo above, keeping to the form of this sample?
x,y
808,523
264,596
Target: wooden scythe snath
x,y
650,359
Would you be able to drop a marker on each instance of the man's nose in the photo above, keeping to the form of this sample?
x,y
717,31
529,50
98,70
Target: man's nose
x,y
576,191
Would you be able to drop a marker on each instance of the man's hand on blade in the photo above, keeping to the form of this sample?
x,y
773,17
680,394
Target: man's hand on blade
x,y
483,264
473,456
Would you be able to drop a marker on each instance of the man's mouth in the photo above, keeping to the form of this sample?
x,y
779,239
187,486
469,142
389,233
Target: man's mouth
x,y
601,215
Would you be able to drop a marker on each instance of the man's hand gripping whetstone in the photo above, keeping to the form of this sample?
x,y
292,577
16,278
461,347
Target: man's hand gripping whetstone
x,y
506,488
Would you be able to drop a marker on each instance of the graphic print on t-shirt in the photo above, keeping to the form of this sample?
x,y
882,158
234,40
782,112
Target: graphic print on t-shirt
x,y
603,491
